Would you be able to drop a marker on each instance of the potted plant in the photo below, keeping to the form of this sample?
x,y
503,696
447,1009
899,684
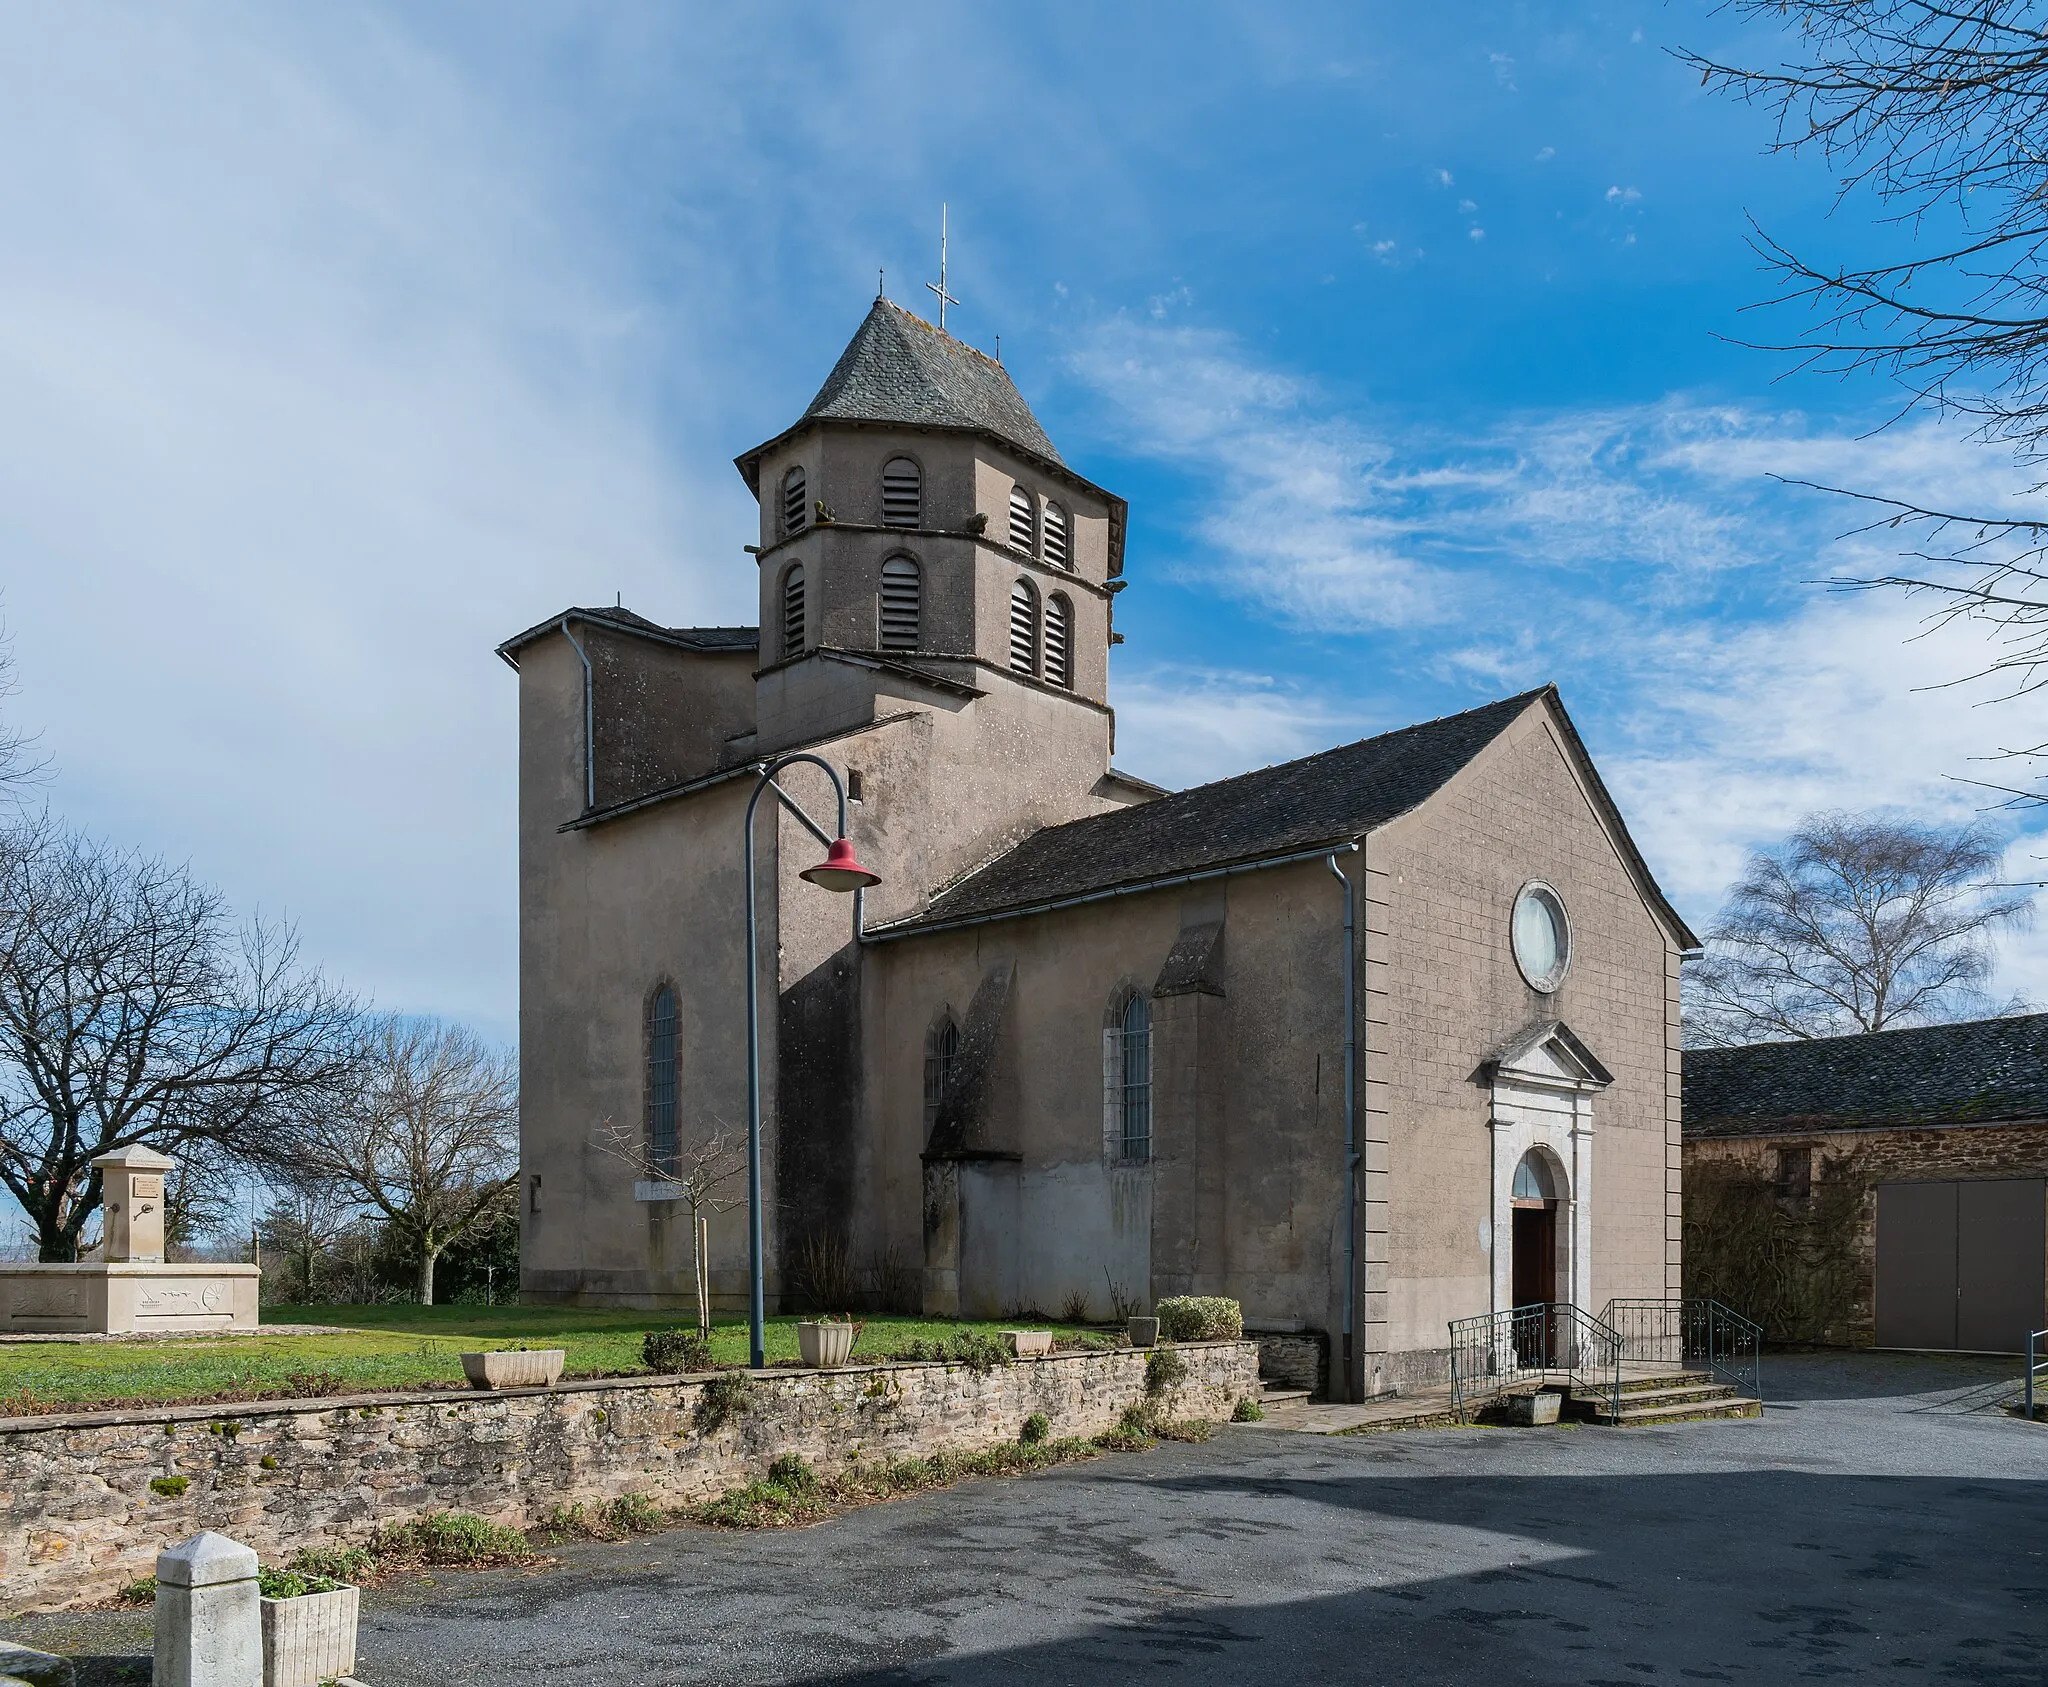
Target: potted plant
x,y
309,1628
827,1342
514,1367
1028,1344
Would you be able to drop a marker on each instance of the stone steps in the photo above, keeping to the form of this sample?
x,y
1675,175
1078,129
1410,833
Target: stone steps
x,y
1677,1399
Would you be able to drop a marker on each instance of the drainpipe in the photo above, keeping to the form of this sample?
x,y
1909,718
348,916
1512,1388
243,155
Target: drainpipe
x,y
1350,1117
589,723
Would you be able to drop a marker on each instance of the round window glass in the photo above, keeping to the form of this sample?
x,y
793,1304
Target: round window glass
x,y
1543,940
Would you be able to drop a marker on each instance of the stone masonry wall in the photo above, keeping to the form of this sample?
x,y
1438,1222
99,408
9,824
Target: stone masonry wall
x,y
78,1518
1799,1254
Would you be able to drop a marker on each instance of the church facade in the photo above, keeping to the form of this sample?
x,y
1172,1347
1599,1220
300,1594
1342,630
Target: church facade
x,y
1085,1045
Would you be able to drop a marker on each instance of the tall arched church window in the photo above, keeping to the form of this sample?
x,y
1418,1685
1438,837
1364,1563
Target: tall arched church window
x,y
902,493
1127,1079
795,507
1056,548
793,612
902,590
1023,629
941,1065
1023,521
661,1081
1059,639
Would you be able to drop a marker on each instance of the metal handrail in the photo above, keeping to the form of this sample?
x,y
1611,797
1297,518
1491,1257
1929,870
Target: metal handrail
x,y
1545,1340
1691,1331
2037,1363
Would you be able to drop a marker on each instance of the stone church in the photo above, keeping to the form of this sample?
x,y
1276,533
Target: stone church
x,y
1085,1045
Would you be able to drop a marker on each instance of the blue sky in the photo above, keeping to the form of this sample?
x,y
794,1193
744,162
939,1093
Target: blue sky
x,y
337,343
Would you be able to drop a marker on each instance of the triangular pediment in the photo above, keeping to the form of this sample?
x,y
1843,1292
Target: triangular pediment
x,y
1549,1053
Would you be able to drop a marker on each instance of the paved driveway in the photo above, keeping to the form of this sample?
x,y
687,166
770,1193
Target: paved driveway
x,y
1879,1524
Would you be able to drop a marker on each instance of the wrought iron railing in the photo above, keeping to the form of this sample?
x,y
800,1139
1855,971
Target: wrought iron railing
x,y
1693,1332
2037,1369
1549,1341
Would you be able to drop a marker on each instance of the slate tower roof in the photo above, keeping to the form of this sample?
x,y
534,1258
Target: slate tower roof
x,y
899,369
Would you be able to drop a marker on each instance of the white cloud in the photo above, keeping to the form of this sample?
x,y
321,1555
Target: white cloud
x,y
1182,726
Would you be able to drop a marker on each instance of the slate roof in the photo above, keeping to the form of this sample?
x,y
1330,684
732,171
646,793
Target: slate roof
x,y
899,368
1970,1073
715,640
1319,801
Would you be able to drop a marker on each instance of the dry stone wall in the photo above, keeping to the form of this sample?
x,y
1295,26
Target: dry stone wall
x,y
81,1517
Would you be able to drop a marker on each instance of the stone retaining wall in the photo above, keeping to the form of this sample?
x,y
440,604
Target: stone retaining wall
x,y
79,1519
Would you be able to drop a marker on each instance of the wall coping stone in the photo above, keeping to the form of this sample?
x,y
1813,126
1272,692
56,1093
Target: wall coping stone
x,y
221,1410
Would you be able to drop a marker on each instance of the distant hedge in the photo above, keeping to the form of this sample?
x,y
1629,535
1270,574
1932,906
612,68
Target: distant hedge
x,y
1200,1318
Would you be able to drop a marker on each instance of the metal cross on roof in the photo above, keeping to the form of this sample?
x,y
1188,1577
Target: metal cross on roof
x,y
939,286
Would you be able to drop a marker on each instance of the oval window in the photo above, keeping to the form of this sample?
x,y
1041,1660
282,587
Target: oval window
x,y
1542,937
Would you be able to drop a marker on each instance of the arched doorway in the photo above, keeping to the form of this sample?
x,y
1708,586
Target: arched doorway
x,y
1533,1202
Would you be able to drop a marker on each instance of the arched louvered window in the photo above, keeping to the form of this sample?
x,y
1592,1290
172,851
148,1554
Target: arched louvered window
x,y
1023,629
1023,520
902,493
1127,1078
902,590
941,1064
661,1081
795,506
1056,548
793,612
1059,639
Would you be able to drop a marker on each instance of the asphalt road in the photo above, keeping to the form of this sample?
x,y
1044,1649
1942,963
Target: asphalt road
x,y
1880,1523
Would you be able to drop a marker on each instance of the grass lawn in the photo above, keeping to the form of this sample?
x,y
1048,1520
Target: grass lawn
x,y
389,1347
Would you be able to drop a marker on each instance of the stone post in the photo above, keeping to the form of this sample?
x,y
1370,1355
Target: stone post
x,y
133,1182
209,1624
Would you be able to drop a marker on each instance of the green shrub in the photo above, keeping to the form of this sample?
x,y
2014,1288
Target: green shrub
x,y
1248,1410
637,1514
293,1584
169,1486
1200,1318
453,1538
979,1350
1164,1369
792,1473
267,1462
669,1352
722,1399
351,1564
614,1520
139,1592
1036,1428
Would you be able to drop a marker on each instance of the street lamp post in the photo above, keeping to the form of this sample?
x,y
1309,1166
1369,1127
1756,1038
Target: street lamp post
x,y
839,871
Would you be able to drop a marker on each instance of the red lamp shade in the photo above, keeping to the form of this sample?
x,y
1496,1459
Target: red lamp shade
x,y
839,870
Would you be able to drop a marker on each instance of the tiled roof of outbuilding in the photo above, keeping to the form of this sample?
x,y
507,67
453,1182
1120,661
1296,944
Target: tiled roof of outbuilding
x,y
1319,801
1968,1073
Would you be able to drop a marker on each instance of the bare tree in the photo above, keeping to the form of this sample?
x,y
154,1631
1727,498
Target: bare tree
x,y
1939,111
703,1178
133,1010
308,1216
202,1194
1854,923
18,765
427,1137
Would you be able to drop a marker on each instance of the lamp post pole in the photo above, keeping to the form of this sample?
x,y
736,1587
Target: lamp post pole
x,y
839,871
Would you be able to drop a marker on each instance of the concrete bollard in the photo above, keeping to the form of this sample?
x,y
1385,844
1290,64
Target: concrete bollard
x,y
209,1624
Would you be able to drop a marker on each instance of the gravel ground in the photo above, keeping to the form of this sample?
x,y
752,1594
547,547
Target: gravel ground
x,y
1883,1522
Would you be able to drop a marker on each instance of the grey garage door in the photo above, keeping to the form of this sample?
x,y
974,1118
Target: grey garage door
x,y
1960,1265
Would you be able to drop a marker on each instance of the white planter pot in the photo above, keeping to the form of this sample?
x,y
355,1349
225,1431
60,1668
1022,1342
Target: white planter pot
x,y
310,1639
514,1370
1144,1332
824,1345
1538,1408
1029,1344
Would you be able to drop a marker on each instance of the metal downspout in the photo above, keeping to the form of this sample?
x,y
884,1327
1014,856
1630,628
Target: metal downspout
x,y
1350,1120
589,723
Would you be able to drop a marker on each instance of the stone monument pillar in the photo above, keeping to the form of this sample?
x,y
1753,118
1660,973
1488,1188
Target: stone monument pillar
x,y
133,1179
209,1622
